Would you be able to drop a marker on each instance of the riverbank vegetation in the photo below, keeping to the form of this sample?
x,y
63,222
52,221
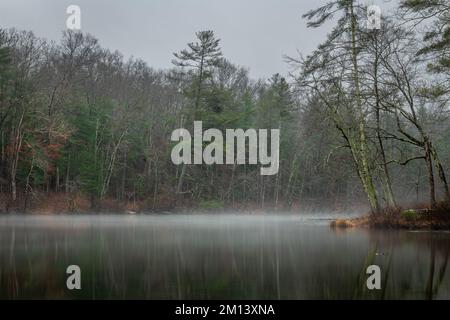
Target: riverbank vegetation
x,y
364,120
419,217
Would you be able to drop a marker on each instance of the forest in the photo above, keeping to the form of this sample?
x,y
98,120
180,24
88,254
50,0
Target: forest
x,y
364,120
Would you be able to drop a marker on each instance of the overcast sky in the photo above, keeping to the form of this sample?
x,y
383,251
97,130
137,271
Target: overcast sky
x,y
254,33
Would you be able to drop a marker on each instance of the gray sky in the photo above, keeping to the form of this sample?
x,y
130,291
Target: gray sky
x,y
254,33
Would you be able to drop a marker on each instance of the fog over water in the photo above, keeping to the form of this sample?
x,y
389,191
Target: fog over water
x,y
226,256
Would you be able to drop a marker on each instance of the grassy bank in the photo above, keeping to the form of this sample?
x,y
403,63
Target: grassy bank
x,y
420,218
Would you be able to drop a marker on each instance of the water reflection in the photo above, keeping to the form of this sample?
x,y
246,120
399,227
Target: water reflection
x,y
216,257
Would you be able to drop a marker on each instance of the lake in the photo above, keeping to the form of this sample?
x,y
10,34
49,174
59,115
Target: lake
x,y
216,256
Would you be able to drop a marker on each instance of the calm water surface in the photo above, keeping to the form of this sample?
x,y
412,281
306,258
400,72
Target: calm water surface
x,y
216,257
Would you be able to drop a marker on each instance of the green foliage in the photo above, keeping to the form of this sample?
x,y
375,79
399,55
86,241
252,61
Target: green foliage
x,y
200,59
211,204
205,53
4,61
6,71
83,153
410,214
97,123
437,37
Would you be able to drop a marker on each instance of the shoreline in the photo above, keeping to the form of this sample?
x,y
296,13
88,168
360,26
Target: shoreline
x,y
78,203
419,217
401,219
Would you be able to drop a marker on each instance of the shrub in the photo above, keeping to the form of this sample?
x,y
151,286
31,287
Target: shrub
x,y
211,204
410,214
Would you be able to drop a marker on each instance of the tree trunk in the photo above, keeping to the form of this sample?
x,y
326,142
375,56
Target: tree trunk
x,y
387,185
155,190
17,145
361,149
111,164
181,178
429,163
67,174
441,171
27,186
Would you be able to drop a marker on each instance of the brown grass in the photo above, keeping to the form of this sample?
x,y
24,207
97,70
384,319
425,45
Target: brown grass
x,y
343,223
419,217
